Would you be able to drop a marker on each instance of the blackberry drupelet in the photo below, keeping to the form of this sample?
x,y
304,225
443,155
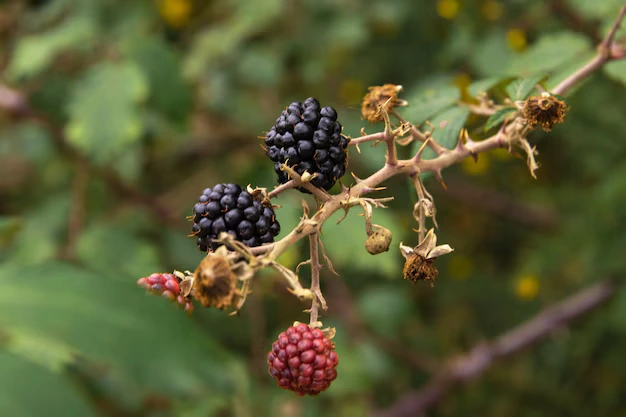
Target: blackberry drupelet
x,y
307,137
231,209
303,360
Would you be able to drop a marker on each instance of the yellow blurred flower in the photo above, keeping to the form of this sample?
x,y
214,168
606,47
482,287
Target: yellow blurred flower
x,y
479,167
516,39
176,13
460,267
448,9
527,287
492,10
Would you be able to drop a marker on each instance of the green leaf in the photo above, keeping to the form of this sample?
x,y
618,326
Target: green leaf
x,y
9,227
29,390
484,85
103,110
491,56
129,163
385,308
111,321
43,235
605,9
105,246
430,102
521,88
33,53
499,117
550,52
224,40
169,93
618,310
261,67
448,126
616,70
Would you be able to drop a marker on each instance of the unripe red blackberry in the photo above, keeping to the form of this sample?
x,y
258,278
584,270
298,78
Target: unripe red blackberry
x,y
307,137
303,360
228,208
166,285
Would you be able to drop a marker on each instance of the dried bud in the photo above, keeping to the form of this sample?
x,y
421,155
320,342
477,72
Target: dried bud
x,y
545,110
386,96
418,268
378,241
214,283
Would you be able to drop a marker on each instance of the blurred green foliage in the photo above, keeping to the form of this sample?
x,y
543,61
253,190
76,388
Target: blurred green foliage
x,y
137,106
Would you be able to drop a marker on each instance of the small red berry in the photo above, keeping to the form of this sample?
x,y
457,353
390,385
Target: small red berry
x,y
303,360
168,286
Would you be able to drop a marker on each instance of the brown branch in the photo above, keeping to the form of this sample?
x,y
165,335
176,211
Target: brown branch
x,y
467,367
417,135
318,298
282,188
374,137
603,56
77,212
421,220
392,152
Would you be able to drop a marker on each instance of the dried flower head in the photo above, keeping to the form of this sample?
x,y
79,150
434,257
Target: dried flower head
x,y
419,260
418,268
385,96
545,110
214,283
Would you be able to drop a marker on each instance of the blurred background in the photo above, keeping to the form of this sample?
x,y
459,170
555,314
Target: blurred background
x,y
115,115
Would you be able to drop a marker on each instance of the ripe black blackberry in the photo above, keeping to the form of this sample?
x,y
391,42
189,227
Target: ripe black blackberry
x,y
307,137
229,208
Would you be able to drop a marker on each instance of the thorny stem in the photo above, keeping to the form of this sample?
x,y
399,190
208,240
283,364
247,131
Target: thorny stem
x,y
318,298
417,135
282,188
509,135
299,182
391,156
392,152
419,189
408,166
374,137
